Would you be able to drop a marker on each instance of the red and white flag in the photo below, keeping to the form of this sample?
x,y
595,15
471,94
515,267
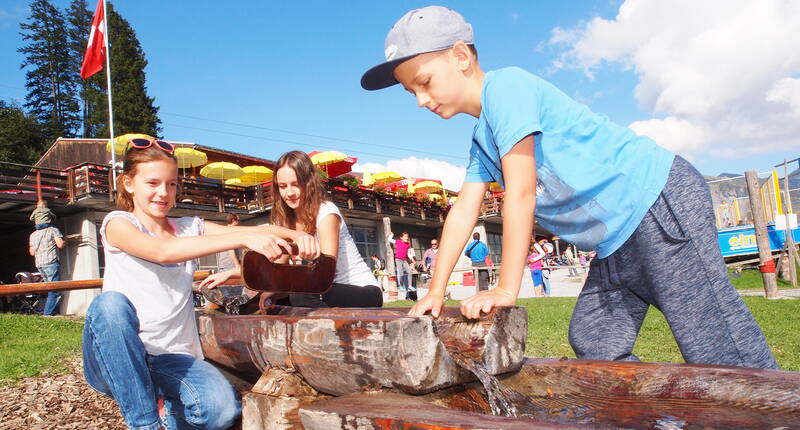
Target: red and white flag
x,y
96,49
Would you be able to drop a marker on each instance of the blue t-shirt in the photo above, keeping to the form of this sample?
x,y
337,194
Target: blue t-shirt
x,y
478,253
595,179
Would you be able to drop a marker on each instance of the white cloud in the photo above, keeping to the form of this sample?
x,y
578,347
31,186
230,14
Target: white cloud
x,y
722,73
452,176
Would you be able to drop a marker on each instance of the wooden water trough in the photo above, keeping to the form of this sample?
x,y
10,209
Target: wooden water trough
x,y
382,369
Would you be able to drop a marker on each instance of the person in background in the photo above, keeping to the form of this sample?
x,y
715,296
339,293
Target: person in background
x,y
429,258
569,256
402,263
42,216
547,262
43,245
379,271
535,258
477,251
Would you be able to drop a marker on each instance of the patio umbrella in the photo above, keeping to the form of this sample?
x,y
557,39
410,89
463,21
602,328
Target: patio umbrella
x,y
239,182
121,142
334,163
366,178
190,157
427,187
495,187
386,177
221,170
256,174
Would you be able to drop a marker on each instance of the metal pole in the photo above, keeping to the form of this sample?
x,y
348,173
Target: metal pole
x,y
113,185
767,266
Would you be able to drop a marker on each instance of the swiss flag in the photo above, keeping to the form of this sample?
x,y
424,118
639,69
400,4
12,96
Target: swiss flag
x,y
96,50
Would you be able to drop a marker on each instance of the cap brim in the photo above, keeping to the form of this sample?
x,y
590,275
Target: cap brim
x,y
382,75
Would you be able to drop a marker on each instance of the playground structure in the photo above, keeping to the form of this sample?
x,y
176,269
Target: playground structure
x,y
734,217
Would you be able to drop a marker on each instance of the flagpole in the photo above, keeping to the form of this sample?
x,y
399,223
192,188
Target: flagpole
x,y
110,105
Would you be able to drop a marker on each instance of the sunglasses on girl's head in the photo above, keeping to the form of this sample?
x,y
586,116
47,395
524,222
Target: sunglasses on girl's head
x,y
142,143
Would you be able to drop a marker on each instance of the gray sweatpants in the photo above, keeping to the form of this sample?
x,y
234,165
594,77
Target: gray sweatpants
x,y
673,262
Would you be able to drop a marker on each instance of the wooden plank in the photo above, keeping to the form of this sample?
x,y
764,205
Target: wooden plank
x,y
762,240
45,287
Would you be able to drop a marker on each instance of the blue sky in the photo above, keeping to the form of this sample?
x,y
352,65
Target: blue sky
x,y
265,77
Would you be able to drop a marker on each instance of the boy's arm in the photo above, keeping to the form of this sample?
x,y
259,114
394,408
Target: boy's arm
x,y
519,202
457,228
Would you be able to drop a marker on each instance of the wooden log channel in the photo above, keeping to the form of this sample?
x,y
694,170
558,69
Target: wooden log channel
x,y
46,287
341,351
586,394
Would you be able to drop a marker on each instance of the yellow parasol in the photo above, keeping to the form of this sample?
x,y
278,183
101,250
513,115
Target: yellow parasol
x,y
239,182
495,187
434,196
121,142
366,178
190,157
386,177
222,170
427,187
327,157
256,174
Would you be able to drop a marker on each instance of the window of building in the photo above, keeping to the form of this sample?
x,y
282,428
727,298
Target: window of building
x,y
366,239
495,242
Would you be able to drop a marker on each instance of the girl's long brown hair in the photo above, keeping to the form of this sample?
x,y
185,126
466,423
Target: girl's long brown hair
x,y
132,159
312,193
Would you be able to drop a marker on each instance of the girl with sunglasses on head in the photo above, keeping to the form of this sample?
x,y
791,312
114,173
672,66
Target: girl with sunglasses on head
x,y
140,339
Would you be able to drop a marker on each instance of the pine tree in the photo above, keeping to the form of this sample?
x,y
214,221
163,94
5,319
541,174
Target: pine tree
x,y
134,111
52,95
21,139
92,91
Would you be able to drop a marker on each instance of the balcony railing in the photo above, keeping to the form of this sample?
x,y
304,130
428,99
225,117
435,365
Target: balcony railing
x,y
76,184
491,207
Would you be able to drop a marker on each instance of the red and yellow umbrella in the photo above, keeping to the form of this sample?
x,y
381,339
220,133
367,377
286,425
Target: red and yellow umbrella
x,y
334,163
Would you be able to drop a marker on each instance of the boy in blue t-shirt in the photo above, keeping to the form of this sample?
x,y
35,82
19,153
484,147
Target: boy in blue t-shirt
x,y
596,184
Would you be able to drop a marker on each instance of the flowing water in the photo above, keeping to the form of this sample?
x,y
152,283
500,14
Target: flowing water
x,y
500,398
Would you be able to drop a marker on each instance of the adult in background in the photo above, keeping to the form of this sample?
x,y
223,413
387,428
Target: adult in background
x,y
44,244
477,251
429,258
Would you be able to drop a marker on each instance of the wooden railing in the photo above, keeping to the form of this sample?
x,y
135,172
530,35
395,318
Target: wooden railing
x,y
19,182
368,200
88,179
491,206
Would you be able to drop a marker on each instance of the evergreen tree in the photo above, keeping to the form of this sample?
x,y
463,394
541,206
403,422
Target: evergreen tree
x,y
92,91
52,94
21,139
134,111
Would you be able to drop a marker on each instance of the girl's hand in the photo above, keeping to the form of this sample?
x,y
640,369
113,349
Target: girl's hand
x,y
307,246
270,246
217,279
484,301
431,302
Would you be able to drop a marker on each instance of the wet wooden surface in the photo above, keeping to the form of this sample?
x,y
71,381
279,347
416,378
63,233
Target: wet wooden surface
x,y
386,410
341,351
642,395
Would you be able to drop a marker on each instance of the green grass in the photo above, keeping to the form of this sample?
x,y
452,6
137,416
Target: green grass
x,y
32,344
548,325
752,280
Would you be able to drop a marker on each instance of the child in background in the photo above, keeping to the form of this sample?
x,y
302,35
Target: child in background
x,y
140,339
595,184
42,216
535,259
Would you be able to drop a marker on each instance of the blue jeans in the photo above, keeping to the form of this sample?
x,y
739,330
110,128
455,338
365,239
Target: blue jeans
x,y
403,275
51,272
546,282
115,364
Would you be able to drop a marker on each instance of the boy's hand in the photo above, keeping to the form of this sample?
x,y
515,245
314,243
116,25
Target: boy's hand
x,y
484,301
431,302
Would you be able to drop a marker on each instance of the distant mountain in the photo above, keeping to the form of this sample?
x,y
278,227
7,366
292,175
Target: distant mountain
x,y
729,175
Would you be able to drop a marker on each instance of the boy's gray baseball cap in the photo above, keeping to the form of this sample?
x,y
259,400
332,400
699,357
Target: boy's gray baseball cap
x,y
429,29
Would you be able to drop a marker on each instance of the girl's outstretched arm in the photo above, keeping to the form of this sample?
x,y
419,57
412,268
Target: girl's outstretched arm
x,y
122,234
457,228
307,245
519,202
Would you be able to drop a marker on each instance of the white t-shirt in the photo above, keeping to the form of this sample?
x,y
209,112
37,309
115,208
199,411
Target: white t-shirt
x,y
351,269
160,293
